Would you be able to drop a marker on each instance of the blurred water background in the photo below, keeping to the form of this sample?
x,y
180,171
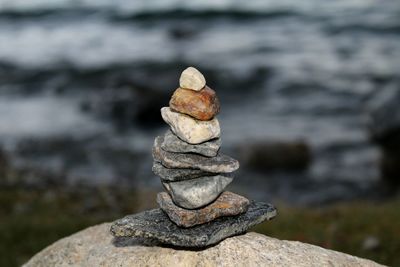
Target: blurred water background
x,y
82,82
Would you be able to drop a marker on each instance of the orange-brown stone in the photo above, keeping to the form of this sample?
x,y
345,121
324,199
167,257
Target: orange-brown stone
x,y
227,204
202,105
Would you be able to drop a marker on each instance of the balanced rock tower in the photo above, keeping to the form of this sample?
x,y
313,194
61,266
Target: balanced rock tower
x,y
195,211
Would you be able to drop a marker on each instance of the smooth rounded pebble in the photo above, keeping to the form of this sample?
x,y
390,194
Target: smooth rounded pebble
x,y
198,192
192,79
202,105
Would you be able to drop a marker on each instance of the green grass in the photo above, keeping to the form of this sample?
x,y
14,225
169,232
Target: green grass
x,y
33,219
343,227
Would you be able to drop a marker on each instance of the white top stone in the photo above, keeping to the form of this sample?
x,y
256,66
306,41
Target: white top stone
x,y
192,79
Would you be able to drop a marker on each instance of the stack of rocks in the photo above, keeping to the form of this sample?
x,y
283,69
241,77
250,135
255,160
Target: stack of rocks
x,y
195,211
187,157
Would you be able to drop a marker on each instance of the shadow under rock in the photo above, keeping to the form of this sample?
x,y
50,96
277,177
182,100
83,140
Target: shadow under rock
x,y
145,242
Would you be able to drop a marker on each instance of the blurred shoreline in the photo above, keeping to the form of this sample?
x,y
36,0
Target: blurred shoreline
x,y
82,82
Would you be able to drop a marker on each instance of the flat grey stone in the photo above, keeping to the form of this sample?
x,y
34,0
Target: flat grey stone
x,y
154,225
196,193
171,175
172,143
219,164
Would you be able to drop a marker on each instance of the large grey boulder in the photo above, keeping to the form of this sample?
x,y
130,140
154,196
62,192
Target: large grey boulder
x,y
94,247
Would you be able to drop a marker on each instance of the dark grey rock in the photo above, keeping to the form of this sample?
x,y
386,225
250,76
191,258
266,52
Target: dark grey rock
x,y
384,113
172,143
267,155
155,225
171,175
196,193
219,164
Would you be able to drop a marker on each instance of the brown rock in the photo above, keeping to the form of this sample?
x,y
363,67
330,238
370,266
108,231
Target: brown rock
x,y
227,204
202,105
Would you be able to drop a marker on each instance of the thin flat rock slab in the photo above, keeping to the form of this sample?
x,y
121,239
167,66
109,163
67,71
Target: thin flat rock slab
x,y
155,225
173,175
196,193
173,143
219,164
227,204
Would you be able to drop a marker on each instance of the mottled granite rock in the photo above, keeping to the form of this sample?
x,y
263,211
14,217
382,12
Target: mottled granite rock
x,y
155,225
189,129
196,193
219,164
192,79
172,143
171,175
227,204
202,105
95,246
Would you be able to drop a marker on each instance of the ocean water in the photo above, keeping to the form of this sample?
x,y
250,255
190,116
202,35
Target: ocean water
x,y
81,83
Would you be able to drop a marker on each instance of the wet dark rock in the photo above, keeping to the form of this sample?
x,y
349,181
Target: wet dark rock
x,y
390,167
227,204
219,164
155,225
268,155
170,175
172,143
385,131
385,118
4,166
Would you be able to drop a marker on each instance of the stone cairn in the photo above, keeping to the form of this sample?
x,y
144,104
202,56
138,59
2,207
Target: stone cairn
x,y
195,211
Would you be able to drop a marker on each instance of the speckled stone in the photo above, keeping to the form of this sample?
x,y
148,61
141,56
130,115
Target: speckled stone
x,y
172,143
202,105
156,225
189,129
227,204
196,193
96,246
219,164
171,175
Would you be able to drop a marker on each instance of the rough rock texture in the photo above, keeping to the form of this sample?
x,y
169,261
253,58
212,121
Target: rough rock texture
x,y
155,225
173,144
219,164
94,247
171,175
191,78
202,105
227,204
196,193
189,129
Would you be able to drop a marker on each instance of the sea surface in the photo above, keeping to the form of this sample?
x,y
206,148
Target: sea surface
x,y
82,82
